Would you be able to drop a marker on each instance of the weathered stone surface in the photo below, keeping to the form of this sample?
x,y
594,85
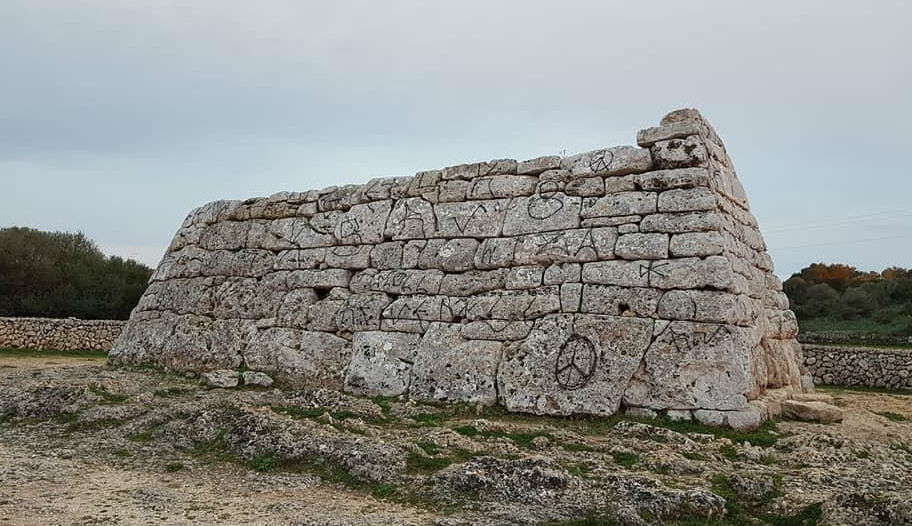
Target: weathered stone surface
x,y
811,411
539,165
224,378
381,363
687,200
573,246
619,301
642,246
693,366
620,160
650,253
471,219
697,244
679,153
454,255
541,213
622,204
451,368
573,364
256,378
661,180
481,169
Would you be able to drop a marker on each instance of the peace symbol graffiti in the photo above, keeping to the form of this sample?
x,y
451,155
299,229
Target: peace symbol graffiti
x,y
601,161
576,363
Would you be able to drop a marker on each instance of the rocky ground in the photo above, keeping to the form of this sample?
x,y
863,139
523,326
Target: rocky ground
x,y
81,443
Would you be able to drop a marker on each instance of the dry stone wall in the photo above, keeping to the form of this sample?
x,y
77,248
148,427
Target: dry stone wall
x,y
871,367
626,276
67,334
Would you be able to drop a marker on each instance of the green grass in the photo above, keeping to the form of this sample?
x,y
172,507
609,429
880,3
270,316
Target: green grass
x,y
140,437
263,463
418,463
121,452
429,448
171,467
893,417
626,460
51,353
170,392
742,512
93,425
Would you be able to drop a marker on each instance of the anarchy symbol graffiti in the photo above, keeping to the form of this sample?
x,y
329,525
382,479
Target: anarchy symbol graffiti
x,y
576,363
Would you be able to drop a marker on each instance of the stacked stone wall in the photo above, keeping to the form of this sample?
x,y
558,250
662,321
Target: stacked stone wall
x,y
859,366
625,276
66,334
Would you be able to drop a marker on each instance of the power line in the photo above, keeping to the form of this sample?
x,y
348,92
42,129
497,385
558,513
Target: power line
x,y
841,221
850,242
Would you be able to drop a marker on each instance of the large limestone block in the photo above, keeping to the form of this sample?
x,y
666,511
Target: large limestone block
x,y
573,364
619,160
363,224
679,153
541,213
398,281
811,411
480,169
620,301
450,368
471,219
622,204
300,358
362,312
381,363
693,366
566,246
450,255
411,218
501,186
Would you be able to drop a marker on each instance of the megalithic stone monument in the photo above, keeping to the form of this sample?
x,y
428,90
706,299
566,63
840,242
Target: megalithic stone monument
x,y
626,277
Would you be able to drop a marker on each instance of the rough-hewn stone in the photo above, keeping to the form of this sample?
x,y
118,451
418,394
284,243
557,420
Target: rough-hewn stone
x,y
558,285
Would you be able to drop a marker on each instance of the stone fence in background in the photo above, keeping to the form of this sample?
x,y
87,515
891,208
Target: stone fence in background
x,y
68,334
888,368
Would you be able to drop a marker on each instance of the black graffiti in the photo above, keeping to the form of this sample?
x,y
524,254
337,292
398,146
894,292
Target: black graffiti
x,y
601,161
576,363
462,227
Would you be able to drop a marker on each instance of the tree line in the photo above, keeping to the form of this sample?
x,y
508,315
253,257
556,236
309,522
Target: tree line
x,y
841,296
63,274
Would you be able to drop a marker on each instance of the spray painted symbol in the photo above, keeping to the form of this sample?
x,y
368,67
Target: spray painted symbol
x,y
576,363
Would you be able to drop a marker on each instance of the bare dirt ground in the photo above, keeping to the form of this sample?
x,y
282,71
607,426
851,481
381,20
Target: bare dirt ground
x,y
81,443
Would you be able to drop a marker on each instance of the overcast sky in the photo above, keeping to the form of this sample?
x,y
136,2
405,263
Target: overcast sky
x,y
117,117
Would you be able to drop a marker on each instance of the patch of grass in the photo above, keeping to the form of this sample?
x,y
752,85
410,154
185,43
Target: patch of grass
x,y
418,463
468,431
214,450
384,491
694,456
121,452
429,419
141,437
626,460
108,397
299,412
893,417
51,353
764,436
386,404
862,453
428,447
740,512
728,451
263,463
899,446
171,467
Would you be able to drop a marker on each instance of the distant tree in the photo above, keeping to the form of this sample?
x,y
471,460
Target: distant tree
x,y
60,274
